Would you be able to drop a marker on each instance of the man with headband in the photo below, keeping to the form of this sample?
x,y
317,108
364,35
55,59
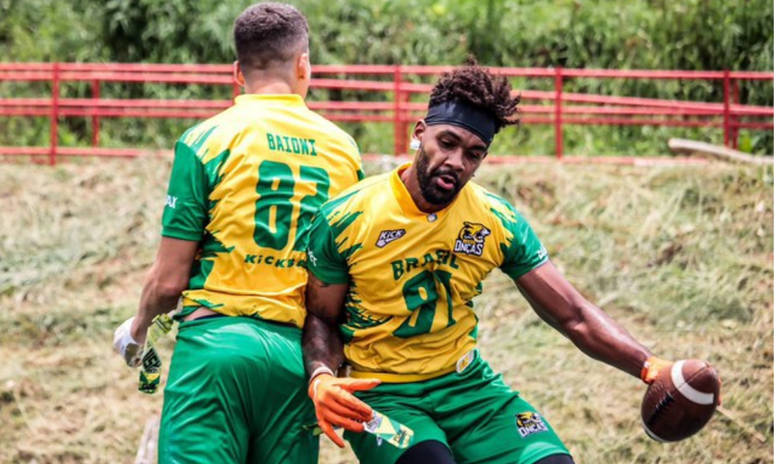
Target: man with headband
x,y
394,265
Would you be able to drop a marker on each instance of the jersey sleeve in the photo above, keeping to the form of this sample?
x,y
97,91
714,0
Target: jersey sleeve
x,y
324,259
185,213
525,251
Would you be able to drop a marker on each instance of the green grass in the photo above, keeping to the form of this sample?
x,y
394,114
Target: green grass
x,y
681,256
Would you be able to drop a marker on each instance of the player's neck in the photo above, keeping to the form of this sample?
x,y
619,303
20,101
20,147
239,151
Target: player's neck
x,y
269,87
409,178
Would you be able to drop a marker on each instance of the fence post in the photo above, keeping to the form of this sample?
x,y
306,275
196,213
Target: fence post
x,y
558,112
54,114
95,119
726,108
397,109
735,128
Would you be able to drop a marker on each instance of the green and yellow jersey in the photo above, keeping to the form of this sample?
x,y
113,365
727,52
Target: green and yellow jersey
x,y
245,184
412,276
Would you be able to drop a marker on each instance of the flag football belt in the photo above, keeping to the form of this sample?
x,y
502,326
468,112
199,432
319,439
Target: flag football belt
x,y
150,372
383,428
390,377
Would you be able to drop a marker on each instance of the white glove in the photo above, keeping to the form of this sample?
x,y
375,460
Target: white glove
x,y
125,345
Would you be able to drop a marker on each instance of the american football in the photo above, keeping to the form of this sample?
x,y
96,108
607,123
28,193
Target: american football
x,y
680,401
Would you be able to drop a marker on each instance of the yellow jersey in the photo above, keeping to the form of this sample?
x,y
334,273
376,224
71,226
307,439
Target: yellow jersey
x,y
245,184
412,276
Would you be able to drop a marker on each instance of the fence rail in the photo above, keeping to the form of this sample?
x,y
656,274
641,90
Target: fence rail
x,y
554,107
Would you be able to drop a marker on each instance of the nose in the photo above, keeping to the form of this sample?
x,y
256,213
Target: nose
x,y
454,160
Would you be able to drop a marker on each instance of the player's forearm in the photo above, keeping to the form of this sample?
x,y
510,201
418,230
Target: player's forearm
x,y
602,338
157,298
322,344
556,301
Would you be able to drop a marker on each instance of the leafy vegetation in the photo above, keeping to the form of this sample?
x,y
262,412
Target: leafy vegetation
x,y
637,34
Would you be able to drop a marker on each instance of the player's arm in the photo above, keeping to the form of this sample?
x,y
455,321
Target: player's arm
x,y
183,224
558,303
595,333
334,403
322,343
323,348
166,280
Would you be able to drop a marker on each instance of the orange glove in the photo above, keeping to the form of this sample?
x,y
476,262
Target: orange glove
x,y
335,405
652,367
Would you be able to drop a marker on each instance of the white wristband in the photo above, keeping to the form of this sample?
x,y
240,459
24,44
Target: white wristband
x,y
321,370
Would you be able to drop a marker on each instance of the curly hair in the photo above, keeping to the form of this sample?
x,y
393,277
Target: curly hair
x,y
478,87
269,33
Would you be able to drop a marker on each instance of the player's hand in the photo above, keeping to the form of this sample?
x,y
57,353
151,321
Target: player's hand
x,y
125,345
652,367
335,405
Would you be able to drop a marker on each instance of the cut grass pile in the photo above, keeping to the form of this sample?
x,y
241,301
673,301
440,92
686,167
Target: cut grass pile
x,y
681,256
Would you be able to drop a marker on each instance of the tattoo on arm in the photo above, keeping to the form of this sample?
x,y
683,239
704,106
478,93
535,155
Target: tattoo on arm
x,y
322,345
322,341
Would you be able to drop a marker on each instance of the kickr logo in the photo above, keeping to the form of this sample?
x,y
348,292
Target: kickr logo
x,y
387,236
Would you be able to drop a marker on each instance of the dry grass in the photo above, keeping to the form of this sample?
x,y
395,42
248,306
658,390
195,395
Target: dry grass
x,y
682,257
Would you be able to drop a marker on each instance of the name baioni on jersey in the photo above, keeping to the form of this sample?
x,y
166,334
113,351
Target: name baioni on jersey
x,y
246,184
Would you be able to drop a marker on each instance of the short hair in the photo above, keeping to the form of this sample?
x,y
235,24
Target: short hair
x,y
476,86
269,33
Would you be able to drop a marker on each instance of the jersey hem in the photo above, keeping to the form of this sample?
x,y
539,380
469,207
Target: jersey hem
x,y
326,278
516,275
171,232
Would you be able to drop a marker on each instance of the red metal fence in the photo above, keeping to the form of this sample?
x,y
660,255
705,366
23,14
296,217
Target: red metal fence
x,y
397,83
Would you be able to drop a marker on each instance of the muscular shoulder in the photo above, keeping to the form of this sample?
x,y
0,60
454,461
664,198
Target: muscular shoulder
x,y
211,137
357,198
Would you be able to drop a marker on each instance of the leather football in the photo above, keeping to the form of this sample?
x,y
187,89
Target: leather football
x,y
680,401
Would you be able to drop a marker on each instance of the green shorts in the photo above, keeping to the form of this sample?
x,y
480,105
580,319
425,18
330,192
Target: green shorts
x,y
474,413
237,394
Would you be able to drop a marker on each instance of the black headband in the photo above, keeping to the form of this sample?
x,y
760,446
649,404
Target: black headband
x,y
464,115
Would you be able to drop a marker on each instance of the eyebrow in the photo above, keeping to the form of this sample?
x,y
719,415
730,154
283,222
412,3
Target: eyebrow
x,y
454,135
447,132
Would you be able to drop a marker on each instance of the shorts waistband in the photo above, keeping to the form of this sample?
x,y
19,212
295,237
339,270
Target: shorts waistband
x,y
221,319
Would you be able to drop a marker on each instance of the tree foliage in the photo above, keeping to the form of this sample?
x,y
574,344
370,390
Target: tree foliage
x,y
613,34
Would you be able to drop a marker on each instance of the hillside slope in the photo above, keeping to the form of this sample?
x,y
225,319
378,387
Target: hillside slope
x,y
681,256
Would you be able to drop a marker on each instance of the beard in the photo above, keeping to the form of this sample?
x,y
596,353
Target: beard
x,y
430,190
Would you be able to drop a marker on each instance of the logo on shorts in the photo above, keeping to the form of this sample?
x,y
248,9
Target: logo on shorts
x,y
529,423
471,239
312,258
387,236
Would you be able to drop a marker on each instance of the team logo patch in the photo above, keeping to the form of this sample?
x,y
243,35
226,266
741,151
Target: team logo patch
x,y
471,239
529,423
387,236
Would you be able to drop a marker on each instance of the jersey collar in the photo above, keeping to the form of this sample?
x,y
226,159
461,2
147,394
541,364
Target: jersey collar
x,y
286,100
407,203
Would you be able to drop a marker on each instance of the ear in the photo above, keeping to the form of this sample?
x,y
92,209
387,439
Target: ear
x,y
303,67
237,75
419,129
